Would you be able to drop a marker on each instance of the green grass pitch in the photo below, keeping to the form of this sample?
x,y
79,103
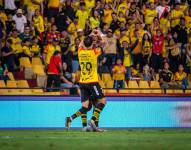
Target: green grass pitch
x,y
127,139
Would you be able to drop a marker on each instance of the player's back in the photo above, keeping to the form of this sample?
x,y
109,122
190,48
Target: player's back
x,y
88,64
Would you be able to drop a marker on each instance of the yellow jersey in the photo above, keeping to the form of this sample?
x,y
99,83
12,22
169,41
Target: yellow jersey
x,y
188,22
164,25
16,45
53,3
35,48
122,19
138,48
26,50
127,62
89,5
49,50
34,4
122,8
82,17
108,16
179,77
175,14
94,22
119,72
39,23
124,38
88,64
150,15
3,17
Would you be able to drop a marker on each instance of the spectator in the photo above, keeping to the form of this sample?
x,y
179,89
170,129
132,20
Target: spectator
x,y
146,49
16,42
75,61
99,8
156,58
82,15
49,50
150,14
115,22
108,13
32,6
2,27
38,24
62,21
162,8
176,14
94,21
53,33
53,8
54,71
188,59
3,72
110,49
125,55
66,79
26,34
165,23
136,51
10,6
174,52
26,51
136,72
155,26
20,20
72,29
66,49
3,15
127,27
8,55
166,77
180,78
146,75
182,32
119,74
10,24
188,19
69,10
35,48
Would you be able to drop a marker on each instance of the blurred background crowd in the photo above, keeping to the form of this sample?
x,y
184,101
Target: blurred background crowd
x,y
142,38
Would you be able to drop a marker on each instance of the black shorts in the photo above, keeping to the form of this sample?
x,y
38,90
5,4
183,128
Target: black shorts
x,y
91,90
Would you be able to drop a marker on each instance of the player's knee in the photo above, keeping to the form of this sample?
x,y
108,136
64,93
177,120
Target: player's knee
x,y
85,104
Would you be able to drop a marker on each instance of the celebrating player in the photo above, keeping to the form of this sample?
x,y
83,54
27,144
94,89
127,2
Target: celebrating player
x,y
89,82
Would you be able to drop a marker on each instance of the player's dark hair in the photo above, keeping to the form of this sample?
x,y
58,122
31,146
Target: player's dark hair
x,y
88,40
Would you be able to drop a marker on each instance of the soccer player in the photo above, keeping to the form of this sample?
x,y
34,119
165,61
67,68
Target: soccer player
x,y
89,82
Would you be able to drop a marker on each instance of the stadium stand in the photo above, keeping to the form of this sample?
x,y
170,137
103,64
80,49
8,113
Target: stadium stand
x,y
131,31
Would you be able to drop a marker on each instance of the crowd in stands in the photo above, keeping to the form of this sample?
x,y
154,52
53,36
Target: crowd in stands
x,y
142,38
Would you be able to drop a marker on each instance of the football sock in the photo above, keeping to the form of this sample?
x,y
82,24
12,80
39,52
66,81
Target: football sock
x,y
82,110
84,116
97,122
84,120
97,111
